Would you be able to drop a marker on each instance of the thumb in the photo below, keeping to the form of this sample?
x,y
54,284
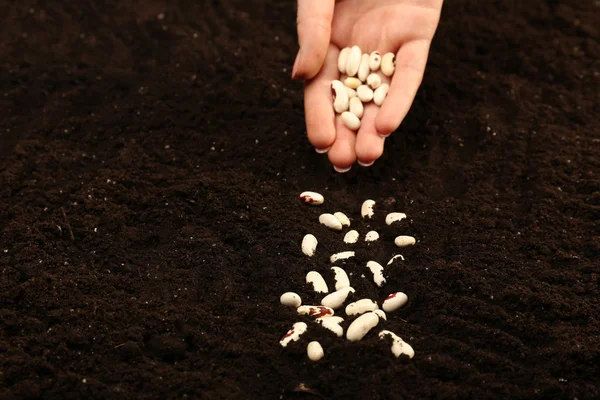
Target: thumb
x,y
314,33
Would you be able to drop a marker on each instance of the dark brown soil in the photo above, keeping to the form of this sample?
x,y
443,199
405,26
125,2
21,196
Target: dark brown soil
x,y
149,219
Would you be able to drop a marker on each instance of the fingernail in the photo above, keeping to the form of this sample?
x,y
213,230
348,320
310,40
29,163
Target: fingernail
x,y
365,164
322,151
294,69
342,170
384,136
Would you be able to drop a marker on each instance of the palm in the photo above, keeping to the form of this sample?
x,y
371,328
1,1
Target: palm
x,y
405,27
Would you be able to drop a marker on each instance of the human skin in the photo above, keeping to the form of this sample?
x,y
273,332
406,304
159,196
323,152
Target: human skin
x,y
404,27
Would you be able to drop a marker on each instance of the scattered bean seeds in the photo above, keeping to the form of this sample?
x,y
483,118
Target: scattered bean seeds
x,y
343,59
395,257
341,256
351,121
394,217
364,93
352,82
315,311
336,299
290,299
340,96
330,221
373,81
317,281
377,271
309,245
315,351
361,306
361,326
332,323
351,237
381,314
366,210
404,241
343,218
312,198
371,236
399,346
341,278
294,333
394,301
363,68
356,107
388,64
353,61
380,94
374,61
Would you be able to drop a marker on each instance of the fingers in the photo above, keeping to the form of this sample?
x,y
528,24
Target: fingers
x,y
342,154
369,143
410,66
314,33
318,108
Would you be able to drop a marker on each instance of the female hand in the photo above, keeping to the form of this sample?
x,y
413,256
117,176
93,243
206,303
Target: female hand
x,y
404,27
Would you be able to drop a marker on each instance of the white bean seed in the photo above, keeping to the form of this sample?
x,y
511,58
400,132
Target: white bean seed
x,y
394,217
290,299
340,96
356,107
314,350
330,221
374,81
317,281
366,210
343,60
341,256
395,257
388,64
309,245
343,218
312,198
315,311
294,333
361,306
351,237
377,271
351,93
380,94
361,326
403,241
353,61
399,346
336,299
371,236
381,314
364,93
363,68
350,120
394,301
352,82
332,323
341,278
374,61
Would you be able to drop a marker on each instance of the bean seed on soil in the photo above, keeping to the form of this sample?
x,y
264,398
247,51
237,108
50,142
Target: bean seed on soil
x,y
309,245
361,326
341,256
374,61
361,306
399,346
351,121
351,237
394,258
342,218
373,81
336,299
341,278
366,210
394,217
340,96
371,236
364,93
380,94
343,59
363,68
294,333
333,324
388,64
377,271
381,314
404,241
290,299
394,301
356,107
315,311
312,198
319,284
353,61
315,351
330,221
352,82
